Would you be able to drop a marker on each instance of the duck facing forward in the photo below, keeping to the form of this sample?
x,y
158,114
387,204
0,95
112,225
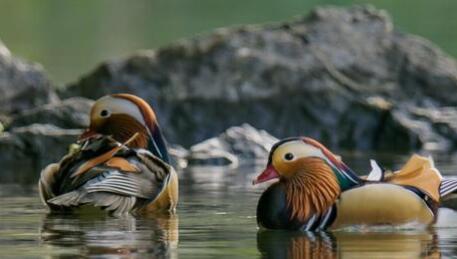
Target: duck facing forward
x,y
316,191
121,165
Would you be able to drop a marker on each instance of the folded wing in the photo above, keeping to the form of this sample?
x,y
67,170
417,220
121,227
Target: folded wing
x,y
127,181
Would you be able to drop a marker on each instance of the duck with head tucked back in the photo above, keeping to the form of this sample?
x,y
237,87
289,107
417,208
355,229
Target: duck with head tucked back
x,y
121,166
317,191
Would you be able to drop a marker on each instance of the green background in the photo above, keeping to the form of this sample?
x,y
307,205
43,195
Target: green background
x,y
71,37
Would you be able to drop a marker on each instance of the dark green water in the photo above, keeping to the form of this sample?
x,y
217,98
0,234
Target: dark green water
x,y
215,219
71,37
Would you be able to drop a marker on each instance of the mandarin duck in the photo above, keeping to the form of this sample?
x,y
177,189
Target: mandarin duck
x,y
317,191
121,166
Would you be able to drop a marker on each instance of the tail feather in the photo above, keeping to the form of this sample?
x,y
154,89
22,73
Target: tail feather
x,y
448,192
47,180
73,198
117,204
447,187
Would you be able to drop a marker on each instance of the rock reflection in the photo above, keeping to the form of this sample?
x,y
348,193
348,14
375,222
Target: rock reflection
x,y
402,244
101,235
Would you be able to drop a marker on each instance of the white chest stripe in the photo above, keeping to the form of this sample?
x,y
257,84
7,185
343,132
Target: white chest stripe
x,y
310,223
324,222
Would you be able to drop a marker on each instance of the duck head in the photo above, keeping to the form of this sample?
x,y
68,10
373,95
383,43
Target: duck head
x,y
296,157
123,115
312,177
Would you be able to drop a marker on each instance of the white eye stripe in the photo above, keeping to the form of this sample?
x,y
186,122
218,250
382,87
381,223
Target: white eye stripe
x,y
119,106
298,149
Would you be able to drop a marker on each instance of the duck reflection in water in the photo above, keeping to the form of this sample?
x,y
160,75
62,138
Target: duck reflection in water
x,y
348,244
153,236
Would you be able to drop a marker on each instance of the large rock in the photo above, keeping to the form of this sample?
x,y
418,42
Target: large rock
x,y
26,150
344,76
23,85
72,113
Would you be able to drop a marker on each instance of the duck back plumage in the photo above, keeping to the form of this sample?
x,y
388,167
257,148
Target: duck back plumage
x,y
107,174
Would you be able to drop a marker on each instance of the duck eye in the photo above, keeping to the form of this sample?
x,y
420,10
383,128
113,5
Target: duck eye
x,y
104,113
288,156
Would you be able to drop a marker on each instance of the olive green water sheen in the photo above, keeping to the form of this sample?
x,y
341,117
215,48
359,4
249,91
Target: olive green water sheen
x,y
71,37
215,219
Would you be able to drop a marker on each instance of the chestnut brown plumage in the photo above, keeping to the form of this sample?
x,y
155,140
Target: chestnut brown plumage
x,y
313,184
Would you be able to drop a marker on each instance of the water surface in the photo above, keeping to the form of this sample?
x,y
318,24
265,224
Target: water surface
x,y
216,218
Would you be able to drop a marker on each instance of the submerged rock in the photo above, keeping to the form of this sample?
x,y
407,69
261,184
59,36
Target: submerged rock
x,y
72,113
315,76
241,144
23,85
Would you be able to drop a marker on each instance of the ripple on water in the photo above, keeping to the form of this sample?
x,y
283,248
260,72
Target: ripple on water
x,y
216,217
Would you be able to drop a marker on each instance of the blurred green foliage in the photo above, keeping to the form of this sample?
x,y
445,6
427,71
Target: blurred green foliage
x,y
70,37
